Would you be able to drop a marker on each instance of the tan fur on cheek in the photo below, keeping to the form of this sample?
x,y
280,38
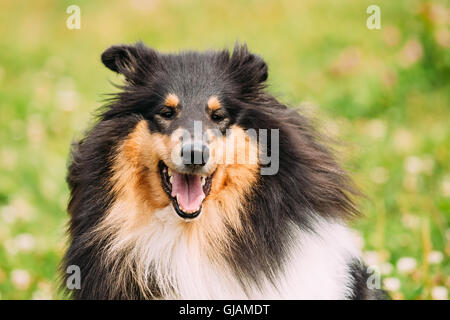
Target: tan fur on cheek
x,y
136,180
234,179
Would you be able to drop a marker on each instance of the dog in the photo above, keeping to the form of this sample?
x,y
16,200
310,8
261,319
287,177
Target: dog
x,y
158,214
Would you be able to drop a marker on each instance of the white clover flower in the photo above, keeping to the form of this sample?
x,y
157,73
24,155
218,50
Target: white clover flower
x,y
435,257
439,293
8,214
18,209
41,295
411,53
406,265
43,292
372,258
391,284
411,221
386,268
24,242
21,279
414,165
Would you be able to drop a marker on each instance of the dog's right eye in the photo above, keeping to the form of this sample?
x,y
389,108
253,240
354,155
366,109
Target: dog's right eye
x,y
167,114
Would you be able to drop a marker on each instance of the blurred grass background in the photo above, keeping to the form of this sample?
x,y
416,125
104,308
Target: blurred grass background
x,y
385,93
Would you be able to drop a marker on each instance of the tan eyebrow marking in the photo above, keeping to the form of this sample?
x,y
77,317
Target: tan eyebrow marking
x,y
214,103
171,100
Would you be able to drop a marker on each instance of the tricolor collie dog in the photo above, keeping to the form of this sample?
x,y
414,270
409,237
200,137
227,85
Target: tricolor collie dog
x,y
195,183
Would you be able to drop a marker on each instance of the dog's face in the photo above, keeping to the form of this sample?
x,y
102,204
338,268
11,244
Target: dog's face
x,y
186,150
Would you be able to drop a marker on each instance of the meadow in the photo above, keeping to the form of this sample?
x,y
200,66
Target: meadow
x,y
383,94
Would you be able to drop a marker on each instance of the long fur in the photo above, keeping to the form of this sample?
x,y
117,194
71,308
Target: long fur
x,y
292,242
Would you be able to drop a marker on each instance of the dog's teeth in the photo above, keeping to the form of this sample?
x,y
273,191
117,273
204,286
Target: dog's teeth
x,y
203,181
171,180
169,171
186,211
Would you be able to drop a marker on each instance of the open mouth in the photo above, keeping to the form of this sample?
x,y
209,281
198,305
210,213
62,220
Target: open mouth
x,y
186,191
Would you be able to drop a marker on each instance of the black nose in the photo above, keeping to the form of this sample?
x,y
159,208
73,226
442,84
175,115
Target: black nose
x,y
195,154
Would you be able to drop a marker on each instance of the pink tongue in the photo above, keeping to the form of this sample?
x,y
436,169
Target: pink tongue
x,y
189,190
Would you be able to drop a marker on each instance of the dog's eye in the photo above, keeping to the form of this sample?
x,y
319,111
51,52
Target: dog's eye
x,y
168,114
217,117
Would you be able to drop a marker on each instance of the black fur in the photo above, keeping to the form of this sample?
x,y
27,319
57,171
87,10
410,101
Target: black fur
x,y
361,290
309,181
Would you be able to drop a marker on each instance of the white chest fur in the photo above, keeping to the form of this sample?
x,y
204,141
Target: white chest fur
x,y
317,267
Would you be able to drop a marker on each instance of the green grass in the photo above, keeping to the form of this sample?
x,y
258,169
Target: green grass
x,y
391,112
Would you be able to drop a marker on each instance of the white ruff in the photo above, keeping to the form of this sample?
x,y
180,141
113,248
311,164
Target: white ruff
x,y
316,269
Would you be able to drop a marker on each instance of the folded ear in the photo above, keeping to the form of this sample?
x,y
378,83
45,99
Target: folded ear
x,y
248,69
135,62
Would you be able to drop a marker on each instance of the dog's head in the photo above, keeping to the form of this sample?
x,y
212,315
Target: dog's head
x,y
187,147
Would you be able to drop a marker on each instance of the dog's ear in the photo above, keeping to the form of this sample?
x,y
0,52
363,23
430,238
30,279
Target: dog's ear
x,y
248,69
133,61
